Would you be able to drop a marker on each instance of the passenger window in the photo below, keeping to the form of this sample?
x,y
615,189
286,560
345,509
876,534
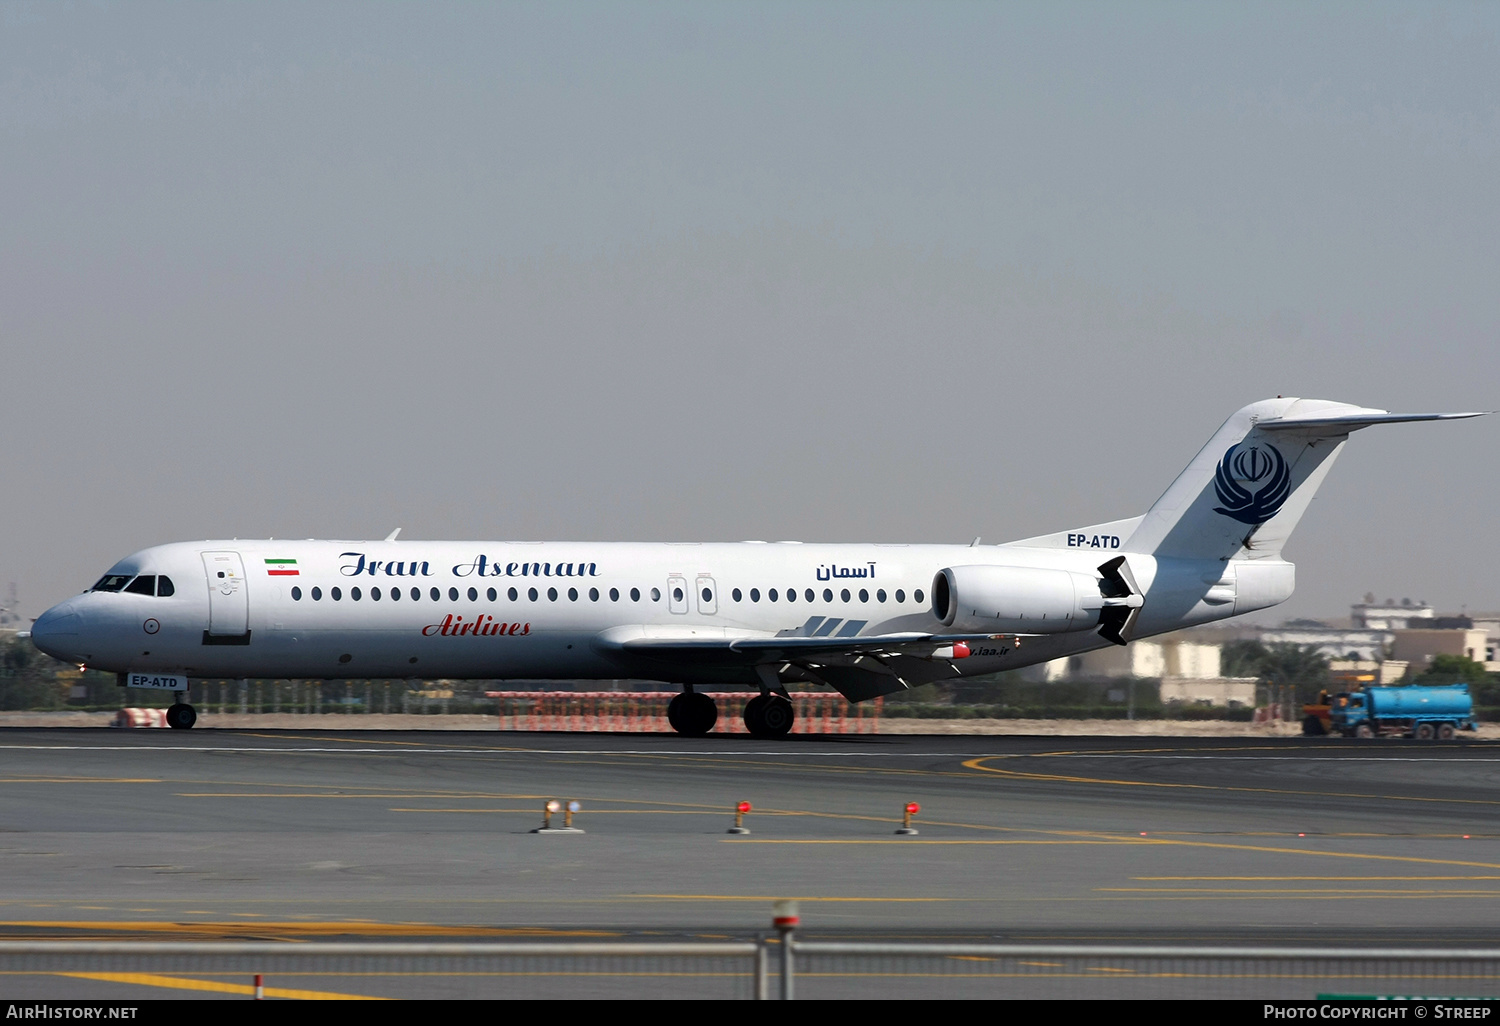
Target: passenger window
x,y
810,595
614,594
771,594
844,595
531,594
754,594
864,596
900,595
593,594
655,594
512,594
492,594
735,594
354,594
335,594
374,594
416,594
677,594
143,585
791,594
164,587
473,594
435,595
827,595
551,594
317,594
880,595
572,594
395,594
635,594
452,594
296,594
917,594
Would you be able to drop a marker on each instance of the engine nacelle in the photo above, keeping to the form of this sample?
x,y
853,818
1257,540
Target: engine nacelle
x,y
1016,599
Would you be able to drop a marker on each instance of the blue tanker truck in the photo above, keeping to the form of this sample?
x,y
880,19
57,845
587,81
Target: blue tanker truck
x,y
1415,711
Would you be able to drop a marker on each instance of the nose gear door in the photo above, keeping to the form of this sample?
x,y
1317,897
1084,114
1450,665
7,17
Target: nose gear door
x,y
228,601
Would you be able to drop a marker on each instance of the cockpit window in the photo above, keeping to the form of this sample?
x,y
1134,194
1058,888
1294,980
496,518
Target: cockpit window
x,y
111,582
164,586
143,585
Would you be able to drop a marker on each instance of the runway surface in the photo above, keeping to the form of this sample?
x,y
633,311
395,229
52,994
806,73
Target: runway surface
x,y
413,836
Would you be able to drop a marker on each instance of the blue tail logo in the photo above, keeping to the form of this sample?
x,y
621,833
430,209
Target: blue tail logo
x,y
1259,465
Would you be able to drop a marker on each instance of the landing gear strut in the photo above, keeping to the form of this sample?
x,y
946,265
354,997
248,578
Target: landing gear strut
x,y
692,714
769,715
180,715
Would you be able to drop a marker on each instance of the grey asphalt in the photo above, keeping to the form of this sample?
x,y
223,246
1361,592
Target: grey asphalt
x,y
412,836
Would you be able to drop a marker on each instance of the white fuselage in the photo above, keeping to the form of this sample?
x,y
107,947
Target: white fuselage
x,y
509,610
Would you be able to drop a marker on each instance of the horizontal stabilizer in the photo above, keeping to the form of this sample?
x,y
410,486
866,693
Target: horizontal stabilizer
x,y
1353,420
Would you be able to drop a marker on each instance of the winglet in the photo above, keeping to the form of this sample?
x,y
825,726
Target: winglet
x,y
392,535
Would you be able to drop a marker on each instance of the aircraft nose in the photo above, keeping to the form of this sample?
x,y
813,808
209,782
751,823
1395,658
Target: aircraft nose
x,y
56,632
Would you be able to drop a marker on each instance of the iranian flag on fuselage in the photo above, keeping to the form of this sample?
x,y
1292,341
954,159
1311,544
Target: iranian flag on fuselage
x,y
281,567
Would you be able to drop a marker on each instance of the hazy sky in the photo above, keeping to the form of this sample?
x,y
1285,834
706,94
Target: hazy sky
x,y
868,271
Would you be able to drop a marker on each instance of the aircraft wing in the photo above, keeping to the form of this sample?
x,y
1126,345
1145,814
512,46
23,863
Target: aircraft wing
x,y
858,667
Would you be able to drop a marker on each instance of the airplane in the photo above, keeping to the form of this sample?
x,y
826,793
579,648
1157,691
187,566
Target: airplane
x,y
865,619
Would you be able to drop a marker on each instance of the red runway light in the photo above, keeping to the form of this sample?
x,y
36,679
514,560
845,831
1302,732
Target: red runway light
x,y
742,807
912,808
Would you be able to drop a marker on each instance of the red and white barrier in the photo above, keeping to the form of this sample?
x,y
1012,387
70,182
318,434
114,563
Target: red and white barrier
x,y
623,712
141,718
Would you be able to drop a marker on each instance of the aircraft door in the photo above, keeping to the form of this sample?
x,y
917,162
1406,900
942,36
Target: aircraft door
x,y
708,594
677,599
228,601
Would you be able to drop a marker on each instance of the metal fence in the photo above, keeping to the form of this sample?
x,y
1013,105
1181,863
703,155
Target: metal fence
x,y
835,969
769,966
114,970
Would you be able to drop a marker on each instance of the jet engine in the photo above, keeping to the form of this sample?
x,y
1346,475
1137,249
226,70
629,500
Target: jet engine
x,y
1036,600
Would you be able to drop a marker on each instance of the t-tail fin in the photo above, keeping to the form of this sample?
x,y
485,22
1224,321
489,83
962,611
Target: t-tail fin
x,y
1249,486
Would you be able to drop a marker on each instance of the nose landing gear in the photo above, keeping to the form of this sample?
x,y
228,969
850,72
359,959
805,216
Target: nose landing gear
x,y
180,715
692,714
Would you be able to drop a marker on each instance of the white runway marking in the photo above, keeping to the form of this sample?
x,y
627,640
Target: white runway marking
x,y
799,753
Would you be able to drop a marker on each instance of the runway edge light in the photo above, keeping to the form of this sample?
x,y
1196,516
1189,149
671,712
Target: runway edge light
x,y
554,806
909,810
739,819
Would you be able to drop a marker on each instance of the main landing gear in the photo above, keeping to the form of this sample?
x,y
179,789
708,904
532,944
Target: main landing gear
x,y
769,715
766,715
692,714
180,715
